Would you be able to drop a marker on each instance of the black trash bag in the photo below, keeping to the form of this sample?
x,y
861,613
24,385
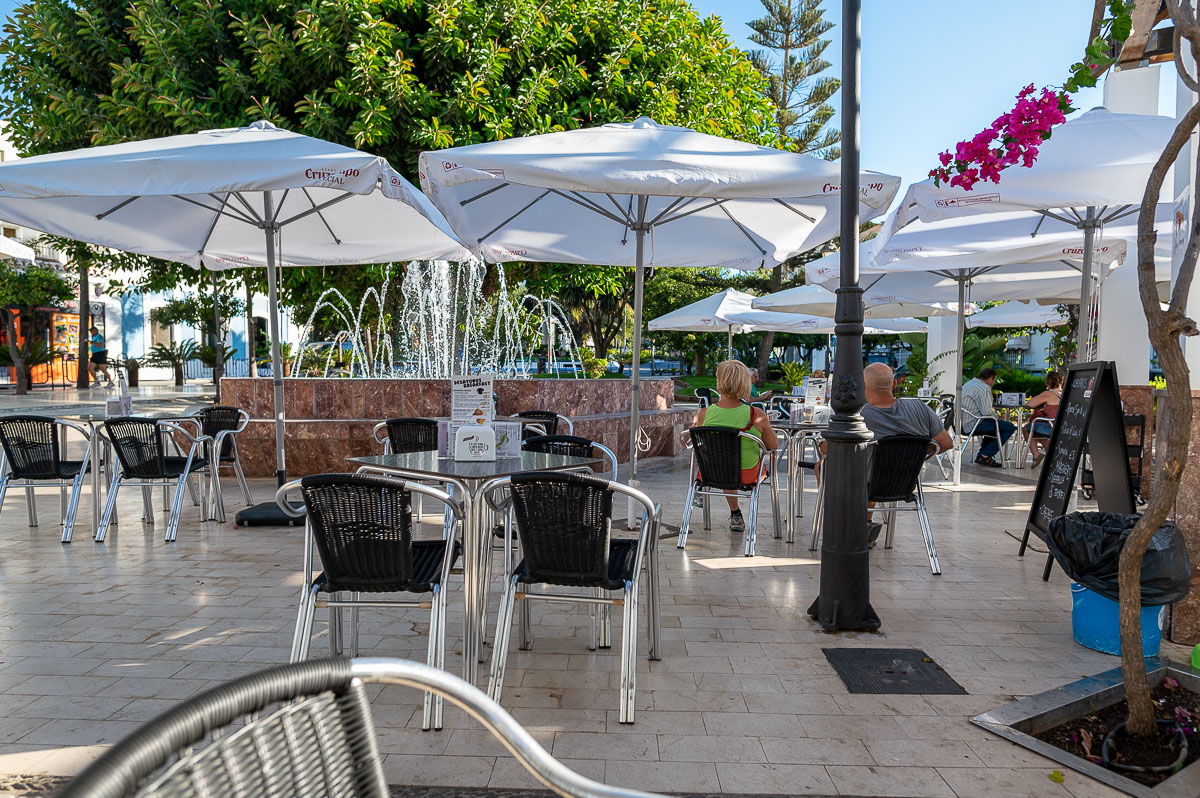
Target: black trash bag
x,y
1088,547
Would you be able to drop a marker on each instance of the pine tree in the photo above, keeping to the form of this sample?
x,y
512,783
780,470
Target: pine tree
x,y
791,33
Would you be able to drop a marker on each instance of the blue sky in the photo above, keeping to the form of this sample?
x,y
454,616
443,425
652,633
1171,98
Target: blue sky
x,y
938,71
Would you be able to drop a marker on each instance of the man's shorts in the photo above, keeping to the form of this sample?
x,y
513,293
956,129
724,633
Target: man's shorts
x,y
100,358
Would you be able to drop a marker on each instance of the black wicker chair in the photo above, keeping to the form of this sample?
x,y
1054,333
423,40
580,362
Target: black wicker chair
x,y
564,524
141,448
895,478
223,424
717,467
547,420
405,435
361,524
297,730
33,454
706,396
572,446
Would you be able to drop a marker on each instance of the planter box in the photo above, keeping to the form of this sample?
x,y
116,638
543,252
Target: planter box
x,y
1018,722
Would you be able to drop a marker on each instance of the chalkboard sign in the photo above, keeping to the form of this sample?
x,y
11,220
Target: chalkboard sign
x,y
1089,412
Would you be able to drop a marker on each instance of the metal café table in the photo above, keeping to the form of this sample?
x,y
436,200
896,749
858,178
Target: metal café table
x,y
795,432
466,477
1016,414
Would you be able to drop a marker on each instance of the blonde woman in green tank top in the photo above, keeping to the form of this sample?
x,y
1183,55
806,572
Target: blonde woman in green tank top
x,y
733,383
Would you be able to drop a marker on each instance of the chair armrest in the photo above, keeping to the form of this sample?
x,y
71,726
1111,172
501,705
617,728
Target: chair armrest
x,y
285,505
380,427
195,439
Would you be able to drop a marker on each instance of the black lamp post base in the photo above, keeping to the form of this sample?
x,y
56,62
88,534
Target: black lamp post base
x,y
836,618
266,514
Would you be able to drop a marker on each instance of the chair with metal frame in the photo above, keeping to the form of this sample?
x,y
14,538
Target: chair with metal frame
x,y
300,729
223,424
142,459
563,522
572,446
546,421
33,454
407,435
361,524
895,478
716,467
706,396
970,436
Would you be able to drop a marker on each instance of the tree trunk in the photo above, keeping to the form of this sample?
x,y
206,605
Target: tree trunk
x,y
82,379
701,362
179,375
1165,328
768,339
14,351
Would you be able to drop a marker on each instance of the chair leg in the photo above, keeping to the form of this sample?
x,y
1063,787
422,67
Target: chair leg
x,y
707,512
237,469
304,621
110,506
3,489
354,625
687,516
889,521
31,505
525,624
441,653
818,514
775,509
429,717
195,494
751,524
503,630
335,628
605,611
935,565
176,508
148,504
629,655
62,504
72,507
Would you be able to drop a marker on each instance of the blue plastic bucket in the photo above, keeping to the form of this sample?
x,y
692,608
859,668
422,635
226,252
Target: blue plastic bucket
x,y
1095,623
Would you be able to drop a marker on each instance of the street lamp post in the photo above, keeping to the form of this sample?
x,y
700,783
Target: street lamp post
x,y
844,603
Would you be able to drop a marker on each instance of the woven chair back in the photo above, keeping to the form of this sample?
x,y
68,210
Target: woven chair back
x,y
718,453
564,523
140,447
362,525
220,418
407,435
547,420
32,447
565,445
896,466
707,394
302,729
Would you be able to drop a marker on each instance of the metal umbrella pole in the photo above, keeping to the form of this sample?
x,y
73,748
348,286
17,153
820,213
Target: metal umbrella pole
x,y
1084,333
961,326
639,230
729,345
844,603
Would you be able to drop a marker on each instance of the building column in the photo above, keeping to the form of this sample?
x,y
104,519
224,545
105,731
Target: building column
x,y
1122,335
942,339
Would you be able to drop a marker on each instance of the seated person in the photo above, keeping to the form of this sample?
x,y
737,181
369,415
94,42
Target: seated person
x,y
979,417
755,396
733,383
885,415
1045,409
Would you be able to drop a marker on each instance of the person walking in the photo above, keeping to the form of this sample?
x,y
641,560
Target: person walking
x,y
99,358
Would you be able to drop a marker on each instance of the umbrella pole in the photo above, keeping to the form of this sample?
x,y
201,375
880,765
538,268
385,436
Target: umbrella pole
x,y
272,227
958,373
729,346
635,379
1084,336
218,340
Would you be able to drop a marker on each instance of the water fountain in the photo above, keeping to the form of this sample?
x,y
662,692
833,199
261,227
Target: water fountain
x,y
445,325
391,352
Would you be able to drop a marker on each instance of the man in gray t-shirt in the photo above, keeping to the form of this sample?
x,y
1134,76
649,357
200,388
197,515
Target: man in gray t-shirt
x,y
886,415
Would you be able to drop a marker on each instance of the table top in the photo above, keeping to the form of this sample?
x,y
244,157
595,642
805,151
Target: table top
x,y
99,417
434,465
798,426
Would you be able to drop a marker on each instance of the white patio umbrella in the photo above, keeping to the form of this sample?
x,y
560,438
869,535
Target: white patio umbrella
x,y
1018,314
1090,173
606,195
12,249
820,301
707,315
224,199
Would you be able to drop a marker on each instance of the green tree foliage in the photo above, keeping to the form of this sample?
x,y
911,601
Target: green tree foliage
x,y
393,78
791,34
22,289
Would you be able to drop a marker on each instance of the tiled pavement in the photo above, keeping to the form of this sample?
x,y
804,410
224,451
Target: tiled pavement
x,y
98,638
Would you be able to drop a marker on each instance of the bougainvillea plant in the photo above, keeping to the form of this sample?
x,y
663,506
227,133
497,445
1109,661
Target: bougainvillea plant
x,y
1014,137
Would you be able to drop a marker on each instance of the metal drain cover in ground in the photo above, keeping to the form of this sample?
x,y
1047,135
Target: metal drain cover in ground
x,y
891,671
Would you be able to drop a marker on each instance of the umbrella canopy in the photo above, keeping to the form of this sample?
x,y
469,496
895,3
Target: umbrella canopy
x,y
252,196
821,301
710,314
776,321
1018,314
596,195
1098,159
12,249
